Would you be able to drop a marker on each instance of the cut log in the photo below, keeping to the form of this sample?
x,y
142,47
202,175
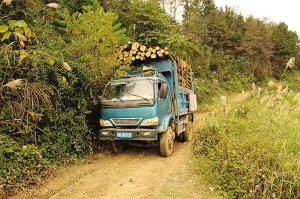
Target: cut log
x,y
133,58
126,53
126,46
160,55
148,54
135,46
137,57
150,50
143,48
153,51
153,56
157,48
143,58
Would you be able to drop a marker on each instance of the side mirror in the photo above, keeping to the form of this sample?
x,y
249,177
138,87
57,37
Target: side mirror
x,y
100,98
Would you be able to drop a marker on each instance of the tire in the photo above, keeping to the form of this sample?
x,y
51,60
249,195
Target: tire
x,y
188,133
117,146
166,142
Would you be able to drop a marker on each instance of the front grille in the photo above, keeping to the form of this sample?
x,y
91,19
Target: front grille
x,y
126,121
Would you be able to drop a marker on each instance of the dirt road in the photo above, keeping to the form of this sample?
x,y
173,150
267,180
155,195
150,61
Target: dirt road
x,y
135,173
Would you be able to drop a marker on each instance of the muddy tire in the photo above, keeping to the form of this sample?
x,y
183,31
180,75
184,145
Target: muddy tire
x,y
188,133
166,142
117,146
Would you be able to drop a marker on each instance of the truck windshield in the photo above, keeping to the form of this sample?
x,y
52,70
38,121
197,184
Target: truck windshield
x,y
129,90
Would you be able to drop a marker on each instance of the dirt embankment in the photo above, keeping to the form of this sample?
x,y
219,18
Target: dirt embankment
x,y
135,173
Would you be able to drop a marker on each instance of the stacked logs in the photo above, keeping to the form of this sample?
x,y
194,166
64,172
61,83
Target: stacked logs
x,y
138,52
184,73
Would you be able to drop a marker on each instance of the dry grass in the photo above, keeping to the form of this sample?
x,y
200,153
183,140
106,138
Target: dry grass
x,y
27,104
13,84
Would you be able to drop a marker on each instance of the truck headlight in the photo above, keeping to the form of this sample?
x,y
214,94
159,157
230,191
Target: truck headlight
x,y
150,122
105,123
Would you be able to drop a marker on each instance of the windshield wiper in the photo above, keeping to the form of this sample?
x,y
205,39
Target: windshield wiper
x,y
119,99
150,81
138,96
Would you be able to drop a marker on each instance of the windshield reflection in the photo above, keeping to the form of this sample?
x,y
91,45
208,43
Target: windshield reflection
x,y
129,90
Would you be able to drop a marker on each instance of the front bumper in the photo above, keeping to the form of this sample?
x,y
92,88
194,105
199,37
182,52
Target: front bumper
x,y
137,134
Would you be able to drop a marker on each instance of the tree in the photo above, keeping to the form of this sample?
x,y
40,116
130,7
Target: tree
x,y
148,23
285,46
92,38
257,47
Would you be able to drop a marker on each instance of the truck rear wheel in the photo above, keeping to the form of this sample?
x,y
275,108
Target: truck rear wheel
x,y
166,142
188,133
117,146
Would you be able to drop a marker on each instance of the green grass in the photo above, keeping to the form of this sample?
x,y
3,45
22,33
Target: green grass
x,y
254,150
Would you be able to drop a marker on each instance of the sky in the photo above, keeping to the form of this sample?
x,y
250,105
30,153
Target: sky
x,y
287,11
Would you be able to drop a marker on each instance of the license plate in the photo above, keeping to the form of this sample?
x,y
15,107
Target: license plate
x,y
124,135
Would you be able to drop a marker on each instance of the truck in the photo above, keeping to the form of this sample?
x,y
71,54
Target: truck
x,y
147,107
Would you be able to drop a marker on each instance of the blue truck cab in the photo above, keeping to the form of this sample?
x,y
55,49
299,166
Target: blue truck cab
x,y
147,108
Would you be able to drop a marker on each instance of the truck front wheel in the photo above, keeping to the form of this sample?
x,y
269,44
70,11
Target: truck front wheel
x,y
188,133
117,146
166,142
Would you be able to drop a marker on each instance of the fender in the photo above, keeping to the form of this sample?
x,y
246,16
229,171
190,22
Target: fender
x,y
164,125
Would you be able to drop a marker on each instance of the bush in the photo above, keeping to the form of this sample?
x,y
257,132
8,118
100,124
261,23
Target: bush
x,y
47,115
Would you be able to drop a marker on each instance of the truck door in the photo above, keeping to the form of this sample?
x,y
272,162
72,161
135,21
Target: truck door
x,y
164,100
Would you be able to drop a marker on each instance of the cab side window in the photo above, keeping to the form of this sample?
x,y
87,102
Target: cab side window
x,y
164,90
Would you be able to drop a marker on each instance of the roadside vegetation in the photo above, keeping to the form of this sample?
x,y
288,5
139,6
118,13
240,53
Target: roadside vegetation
x,y
253,151
56,57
